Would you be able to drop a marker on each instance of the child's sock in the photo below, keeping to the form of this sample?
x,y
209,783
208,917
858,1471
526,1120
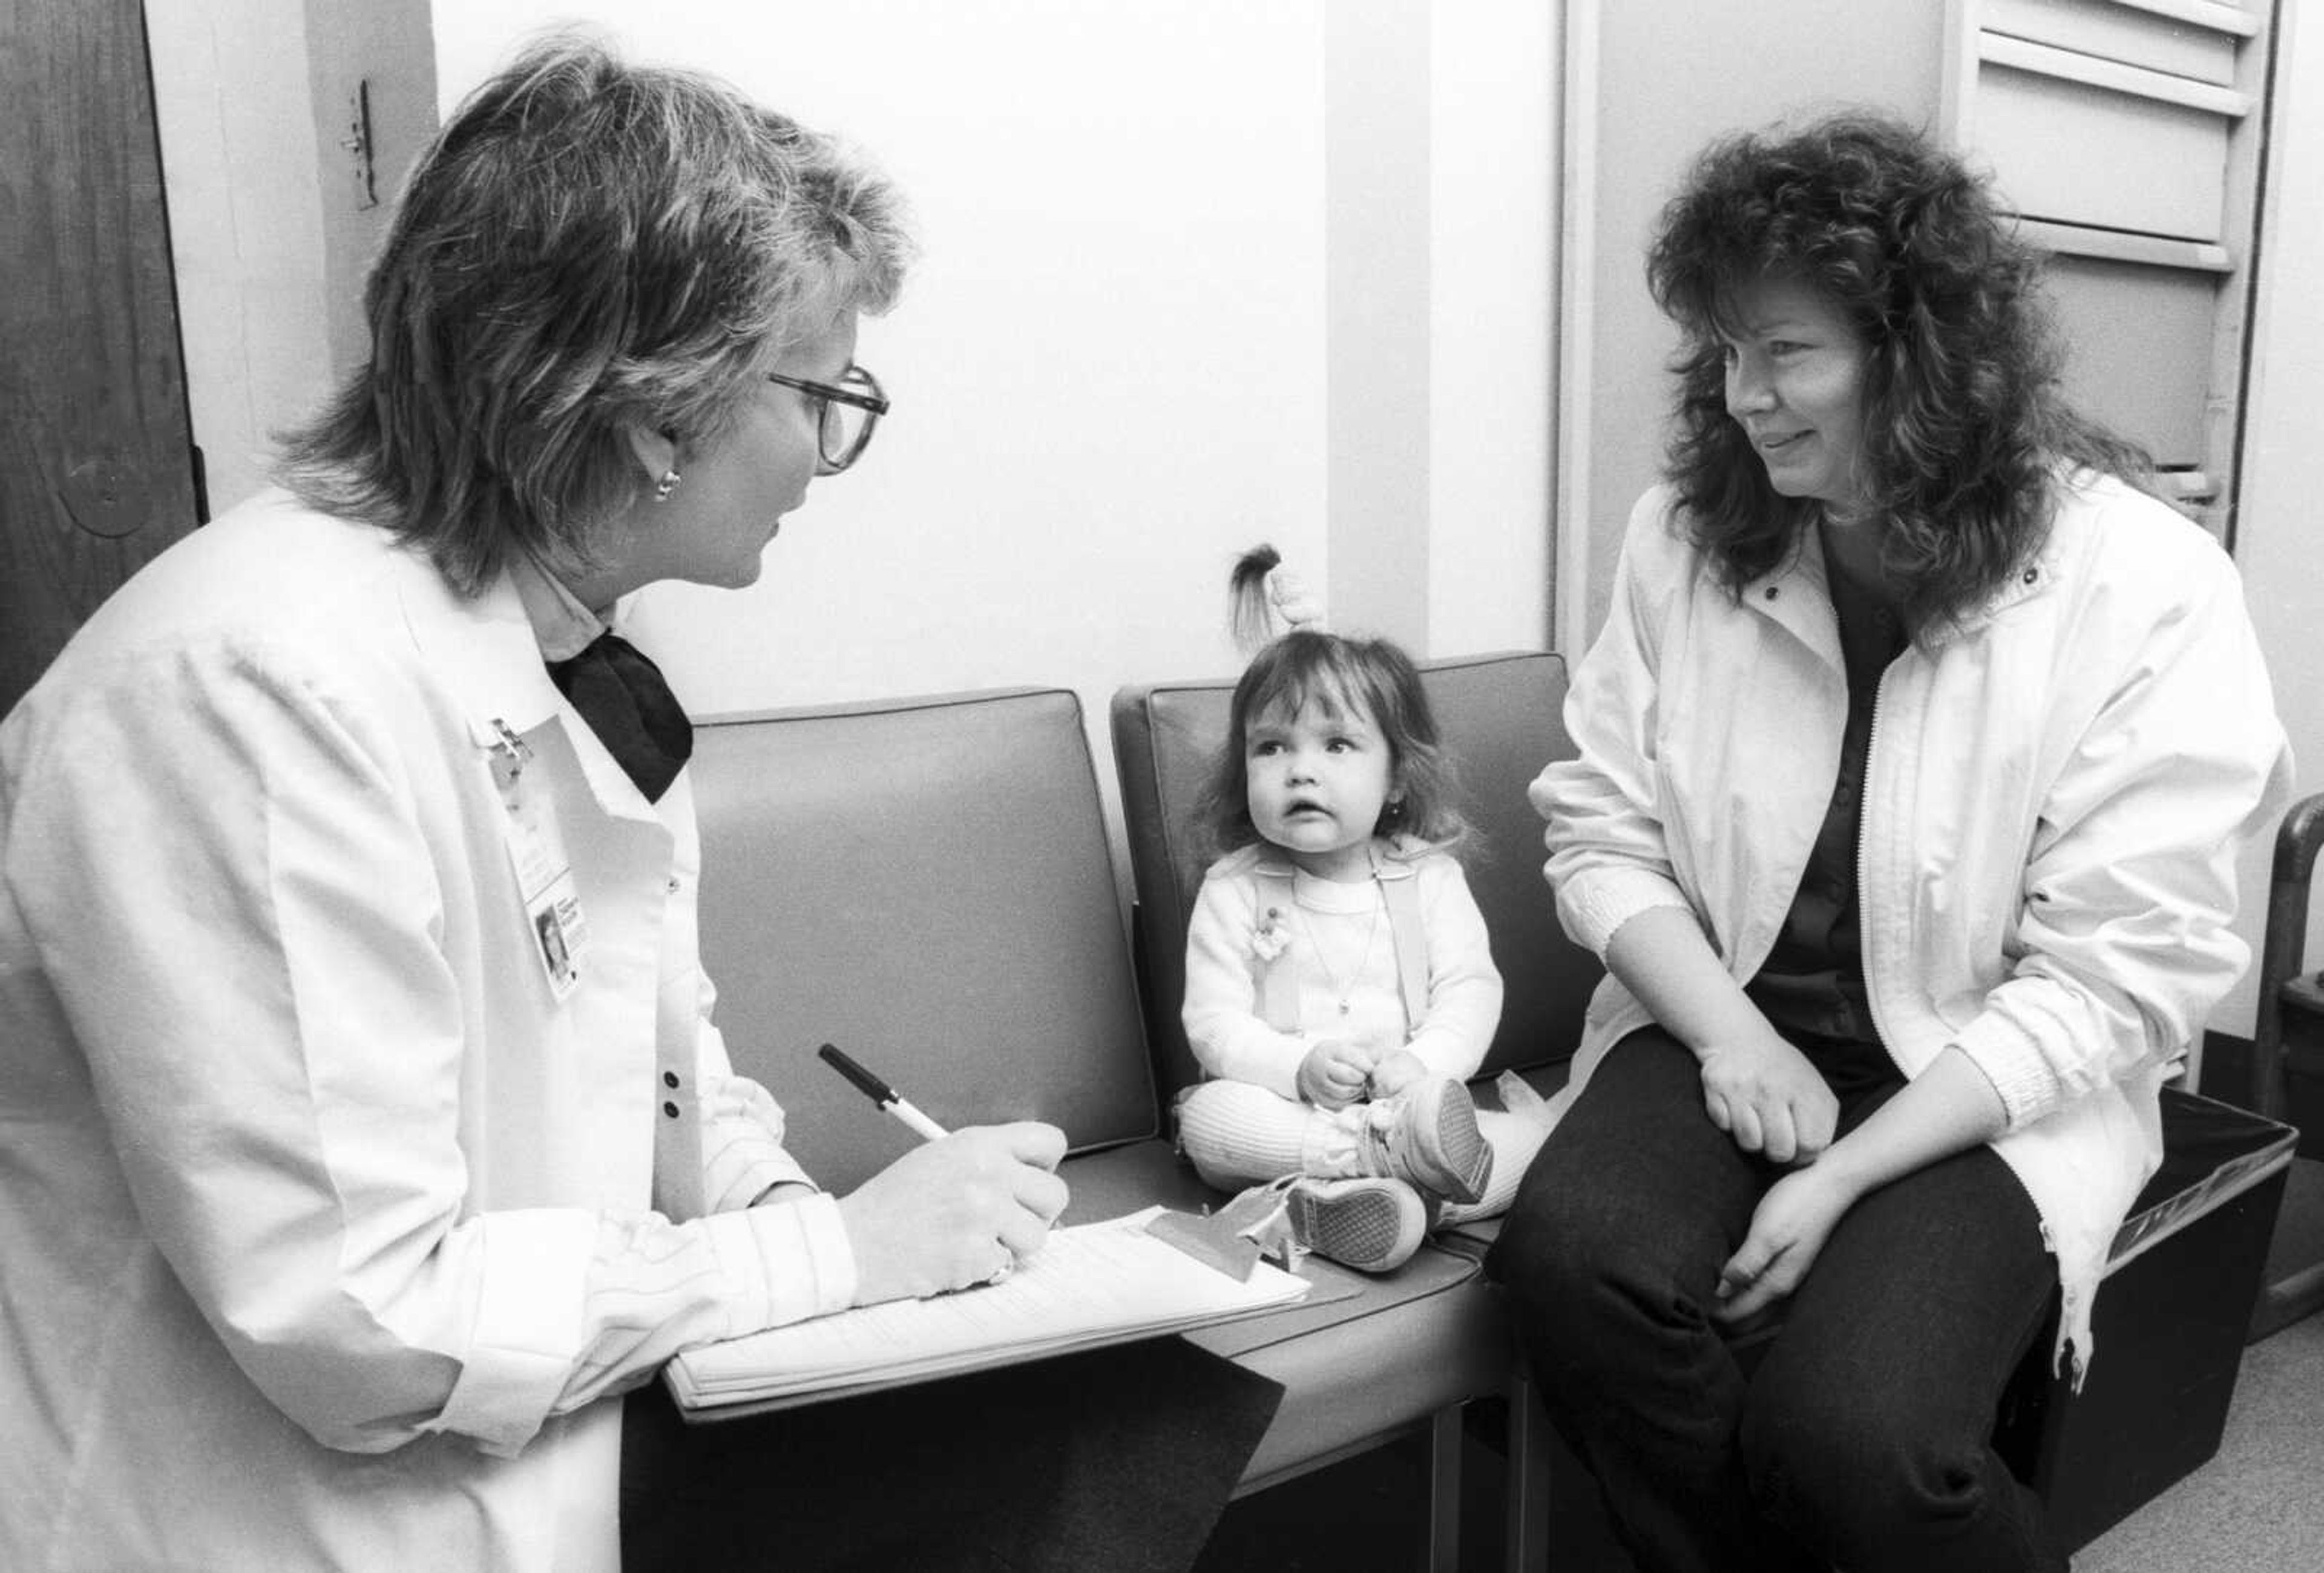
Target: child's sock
x,y
1519,1097
1514,1138
1332,1143
1236,1134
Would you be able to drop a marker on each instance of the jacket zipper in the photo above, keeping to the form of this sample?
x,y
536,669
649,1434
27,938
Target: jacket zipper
x,y
1864,861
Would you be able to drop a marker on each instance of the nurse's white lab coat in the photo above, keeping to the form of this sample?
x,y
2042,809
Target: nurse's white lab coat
x,y
307,1175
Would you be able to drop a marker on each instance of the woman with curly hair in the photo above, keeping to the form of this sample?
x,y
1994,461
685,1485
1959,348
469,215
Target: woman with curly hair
x,y
1914,760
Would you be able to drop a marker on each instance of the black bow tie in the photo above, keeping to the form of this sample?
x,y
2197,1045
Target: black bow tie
x,y
622,696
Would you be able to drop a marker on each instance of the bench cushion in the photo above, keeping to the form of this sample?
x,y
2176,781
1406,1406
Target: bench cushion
x,y
927,884
1362,1359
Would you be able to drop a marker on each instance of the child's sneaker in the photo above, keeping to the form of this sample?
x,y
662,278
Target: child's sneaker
x,y
1427,1137
1371,1224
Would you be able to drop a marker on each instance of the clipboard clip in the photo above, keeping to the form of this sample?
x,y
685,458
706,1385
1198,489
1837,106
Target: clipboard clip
x,y
1216,1240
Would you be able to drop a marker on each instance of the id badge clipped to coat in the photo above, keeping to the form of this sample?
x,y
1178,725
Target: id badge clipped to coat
x,y
544,873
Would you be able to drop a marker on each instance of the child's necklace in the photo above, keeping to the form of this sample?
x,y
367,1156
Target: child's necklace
x,y
1343,993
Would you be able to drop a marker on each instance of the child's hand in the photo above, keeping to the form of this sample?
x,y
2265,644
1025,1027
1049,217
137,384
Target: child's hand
x,y
1397,1071
1333,1074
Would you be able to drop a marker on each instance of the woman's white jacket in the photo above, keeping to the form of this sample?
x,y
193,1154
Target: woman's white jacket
x,y
2055,797
325,1224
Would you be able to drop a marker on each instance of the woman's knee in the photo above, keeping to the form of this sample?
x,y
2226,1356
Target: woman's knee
x,y
1547,1233
1841,1475
1575,1249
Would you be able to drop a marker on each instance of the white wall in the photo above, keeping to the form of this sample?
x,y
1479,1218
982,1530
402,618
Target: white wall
x,y
268,234
1196,273
2277,535
1495,70
1113,368
1377,277
1664,78
1123,357
239,158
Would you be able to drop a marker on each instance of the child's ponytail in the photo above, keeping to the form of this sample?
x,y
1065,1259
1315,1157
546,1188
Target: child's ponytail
x,y
1267,601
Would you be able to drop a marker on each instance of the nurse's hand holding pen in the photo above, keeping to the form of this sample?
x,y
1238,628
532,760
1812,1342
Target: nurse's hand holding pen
x,y
960,1209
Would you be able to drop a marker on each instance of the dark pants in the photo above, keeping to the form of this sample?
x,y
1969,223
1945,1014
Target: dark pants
x,y
1119,1458
1863,1437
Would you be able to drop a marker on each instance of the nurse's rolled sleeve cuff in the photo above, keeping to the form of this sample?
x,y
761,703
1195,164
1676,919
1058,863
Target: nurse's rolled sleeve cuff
x,y
527,1328
743,1167
789,1261
1596,903
2014,1063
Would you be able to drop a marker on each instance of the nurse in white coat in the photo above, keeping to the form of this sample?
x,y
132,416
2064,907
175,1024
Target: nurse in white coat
x,y
365,1128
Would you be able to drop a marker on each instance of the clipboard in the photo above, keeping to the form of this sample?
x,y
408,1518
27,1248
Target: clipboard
x,y
1090,1285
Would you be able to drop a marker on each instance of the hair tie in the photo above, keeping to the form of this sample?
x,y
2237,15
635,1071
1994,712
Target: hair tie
x,y
1268,601
1290,603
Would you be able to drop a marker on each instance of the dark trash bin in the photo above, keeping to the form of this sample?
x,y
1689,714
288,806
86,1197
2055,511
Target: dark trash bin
x,y
2168,1325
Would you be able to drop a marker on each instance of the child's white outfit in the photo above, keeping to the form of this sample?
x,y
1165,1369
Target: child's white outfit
x,y
1278,960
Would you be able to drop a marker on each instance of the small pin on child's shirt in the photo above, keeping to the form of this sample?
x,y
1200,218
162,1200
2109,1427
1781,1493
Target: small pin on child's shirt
x,y
1272,938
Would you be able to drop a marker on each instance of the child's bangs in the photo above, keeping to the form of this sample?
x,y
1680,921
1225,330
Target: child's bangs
x,y
1328,681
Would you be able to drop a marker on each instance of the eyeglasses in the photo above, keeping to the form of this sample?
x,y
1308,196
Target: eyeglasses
x,y
848,412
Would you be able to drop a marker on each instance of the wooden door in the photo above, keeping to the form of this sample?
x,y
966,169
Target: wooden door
x,y
97,458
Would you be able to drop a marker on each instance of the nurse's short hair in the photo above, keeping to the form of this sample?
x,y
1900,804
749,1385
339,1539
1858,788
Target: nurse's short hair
x,y
586,244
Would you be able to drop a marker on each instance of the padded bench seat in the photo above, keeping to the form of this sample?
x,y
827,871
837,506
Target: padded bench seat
x,y
1365,1358
928,884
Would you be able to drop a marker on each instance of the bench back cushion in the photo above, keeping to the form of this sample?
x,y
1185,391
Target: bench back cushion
x,y
927,884
1502,718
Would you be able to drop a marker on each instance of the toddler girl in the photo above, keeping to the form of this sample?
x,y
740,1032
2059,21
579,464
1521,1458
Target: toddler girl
x,y
1338,984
